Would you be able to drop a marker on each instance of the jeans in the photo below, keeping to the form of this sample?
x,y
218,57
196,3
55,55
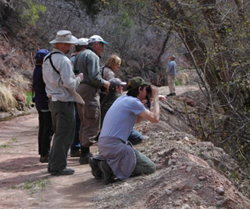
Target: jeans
x,y
135,137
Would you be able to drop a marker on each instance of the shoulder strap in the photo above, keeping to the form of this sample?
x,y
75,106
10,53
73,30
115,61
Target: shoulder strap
x,y
50,60
103,71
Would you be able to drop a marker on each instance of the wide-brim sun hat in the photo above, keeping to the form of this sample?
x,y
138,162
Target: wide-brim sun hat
x,y
96,38
64,36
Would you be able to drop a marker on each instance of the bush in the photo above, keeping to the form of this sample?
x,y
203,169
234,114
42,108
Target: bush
x,y
7,100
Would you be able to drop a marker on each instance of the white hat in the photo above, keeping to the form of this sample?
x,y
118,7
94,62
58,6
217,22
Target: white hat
x,y
64,36
82,41
96,38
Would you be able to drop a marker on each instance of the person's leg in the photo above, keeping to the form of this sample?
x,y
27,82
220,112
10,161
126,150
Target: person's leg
x,y
135,137
47,131
40,132
171,85
46,136
75,147
143,164
64,118
90,119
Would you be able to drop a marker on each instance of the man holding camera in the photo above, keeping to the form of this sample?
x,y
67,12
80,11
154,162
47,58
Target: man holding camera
x,y
117,157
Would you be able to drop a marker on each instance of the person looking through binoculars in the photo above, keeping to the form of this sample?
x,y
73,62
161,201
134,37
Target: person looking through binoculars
x,y
117,158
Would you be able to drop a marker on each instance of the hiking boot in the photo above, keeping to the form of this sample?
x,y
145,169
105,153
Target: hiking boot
x,y
85,159
75,153
95,170
65,171
107,173
171,94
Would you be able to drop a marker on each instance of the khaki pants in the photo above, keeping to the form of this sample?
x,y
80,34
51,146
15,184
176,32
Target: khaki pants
x,y
171,83
89,114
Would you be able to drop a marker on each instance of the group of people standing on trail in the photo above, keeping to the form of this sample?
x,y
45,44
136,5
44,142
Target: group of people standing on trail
x,y
80,103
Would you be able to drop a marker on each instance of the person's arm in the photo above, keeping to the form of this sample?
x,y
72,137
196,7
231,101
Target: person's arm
x,y
154,115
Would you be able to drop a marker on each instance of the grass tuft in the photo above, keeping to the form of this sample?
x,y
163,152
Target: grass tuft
x,y
7,100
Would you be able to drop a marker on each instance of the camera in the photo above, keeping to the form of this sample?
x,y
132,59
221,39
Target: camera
x,y
148,89
148,96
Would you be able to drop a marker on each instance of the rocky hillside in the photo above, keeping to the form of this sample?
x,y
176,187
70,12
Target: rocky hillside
x,y
190,174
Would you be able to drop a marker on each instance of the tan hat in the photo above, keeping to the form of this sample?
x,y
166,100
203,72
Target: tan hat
x,y
64,36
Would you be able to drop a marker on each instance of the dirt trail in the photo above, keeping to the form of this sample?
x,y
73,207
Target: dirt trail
x,y
19,165
25,183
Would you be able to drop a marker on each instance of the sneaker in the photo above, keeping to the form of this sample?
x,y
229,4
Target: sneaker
x,y
85,159
95,170
75,153
107,173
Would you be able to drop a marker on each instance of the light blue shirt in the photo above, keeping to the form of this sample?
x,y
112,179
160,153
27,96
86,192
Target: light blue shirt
x,y
121,117
172,68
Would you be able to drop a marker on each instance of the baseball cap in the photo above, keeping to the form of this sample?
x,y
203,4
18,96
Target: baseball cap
x,y
96,38
82,41
117,82
136,82
40,54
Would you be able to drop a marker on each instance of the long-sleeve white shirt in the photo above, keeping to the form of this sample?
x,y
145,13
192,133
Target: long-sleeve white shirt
x,y
60,86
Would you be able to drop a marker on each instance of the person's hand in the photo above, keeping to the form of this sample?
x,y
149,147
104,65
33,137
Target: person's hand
x,y
162,98
106,84
80,76
155,92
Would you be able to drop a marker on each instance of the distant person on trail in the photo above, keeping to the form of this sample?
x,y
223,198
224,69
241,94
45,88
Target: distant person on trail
x,y
115,91
117,157
108,71
41,101
61,84
171,73
87,62
75,149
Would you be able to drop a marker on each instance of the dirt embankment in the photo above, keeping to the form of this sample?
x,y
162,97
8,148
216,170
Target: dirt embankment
x,y
186,175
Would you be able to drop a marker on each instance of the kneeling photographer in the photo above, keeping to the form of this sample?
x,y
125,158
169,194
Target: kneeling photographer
x,y
117,158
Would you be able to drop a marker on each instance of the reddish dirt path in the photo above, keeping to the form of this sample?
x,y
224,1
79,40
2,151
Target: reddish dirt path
x,y
19,164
